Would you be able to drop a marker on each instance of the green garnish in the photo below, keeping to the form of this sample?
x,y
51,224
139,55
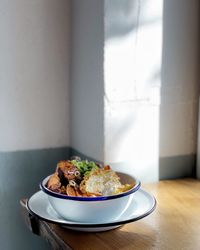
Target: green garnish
x,y
84,166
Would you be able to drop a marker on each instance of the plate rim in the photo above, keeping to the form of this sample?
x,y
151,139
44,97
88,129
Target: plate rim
x,y
94,225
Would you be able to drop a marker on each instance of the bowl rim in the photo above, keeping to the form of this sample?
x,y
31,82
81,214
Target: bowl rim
x,y
96,198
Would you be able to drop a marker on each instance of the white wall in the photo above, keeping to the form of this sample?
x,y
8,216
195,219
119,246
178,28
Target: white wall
x,y
34,74
149,84
87,82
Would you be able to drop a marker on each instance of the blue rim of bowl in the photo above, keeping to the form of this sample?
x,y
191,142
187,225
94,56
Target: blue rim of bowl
x,y
97,198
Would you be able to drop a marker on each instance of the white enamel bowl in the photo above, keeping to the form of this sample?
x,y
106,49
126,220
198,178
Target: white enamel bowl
x,y
92,209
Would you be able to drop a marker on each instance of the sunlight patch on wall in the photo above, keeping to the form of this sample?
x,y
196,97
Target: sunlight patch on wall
x,y
132,86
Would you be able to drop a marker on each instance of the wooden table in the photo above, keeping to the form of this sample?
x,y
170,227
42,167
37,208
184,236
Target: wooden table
x,y
175,224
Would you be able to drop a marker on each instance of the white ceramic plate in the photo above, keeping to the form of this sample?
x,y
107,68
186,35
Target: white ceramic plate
x,y
142,205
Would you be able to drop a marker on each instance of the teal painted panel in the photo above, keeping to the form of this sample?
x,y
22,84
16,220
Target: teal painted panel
x,y
177,167
20,174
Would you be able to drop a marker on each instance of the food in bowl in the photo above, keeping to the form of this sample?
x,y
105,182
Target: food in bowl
x,y
85,179
85,191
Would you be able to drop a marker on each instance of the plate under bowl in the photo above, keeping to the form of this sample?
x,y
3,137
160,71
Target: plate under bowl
x,y
142,205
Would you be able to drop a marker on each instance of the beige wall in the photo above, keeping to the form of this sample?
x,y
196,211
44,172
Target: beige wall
x,y
34,74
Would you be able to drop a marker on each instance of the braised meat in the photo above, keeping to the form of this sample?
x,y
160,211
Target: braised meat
x,y
67,171
54,183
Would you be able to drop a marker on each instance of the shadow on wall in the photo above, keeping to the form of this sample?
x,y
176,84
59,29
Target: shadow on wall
x,y
179,89
128,13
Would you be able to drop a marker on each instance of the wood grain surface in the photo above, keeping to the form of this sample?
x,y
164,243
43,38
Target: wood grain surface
x,y
174,225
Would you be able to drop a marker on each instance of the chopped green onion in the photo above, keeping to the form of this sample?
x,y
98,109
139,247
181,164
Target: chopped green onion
x,y
84,166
